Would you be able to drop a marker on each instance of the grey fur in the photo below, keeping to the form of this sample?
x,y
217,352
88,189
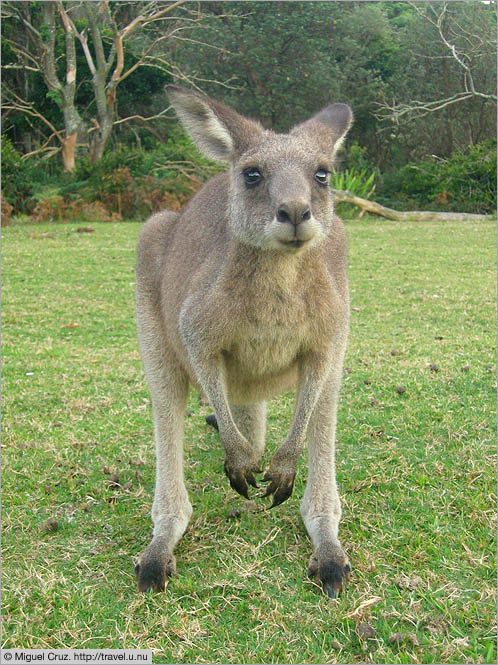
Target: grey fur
x,y
244,295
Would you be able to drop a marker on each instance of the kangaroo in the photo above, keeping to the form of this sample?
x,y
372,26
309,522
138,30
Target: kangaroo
x,y
243,295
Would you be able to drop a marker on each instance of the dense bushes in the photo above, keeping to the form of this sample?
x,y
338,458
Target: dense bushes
x,y
125,183
465,182
132,183
17,178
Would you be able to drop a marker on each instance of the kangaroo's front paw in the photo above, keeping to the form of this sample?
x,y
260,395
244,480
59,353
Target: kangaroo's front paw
x,y
281,474
281,485
331,566
240,475
156,564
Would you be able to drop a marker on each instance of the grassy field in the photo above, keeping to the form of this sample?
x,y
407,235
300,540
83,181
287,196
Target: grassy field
x,y
416,467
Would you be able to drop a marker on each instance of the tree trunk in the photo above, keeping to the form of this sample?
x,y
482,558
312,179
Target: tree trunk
x,y
74,127
69,151
103,100
105,112
344,196
100,138
66,92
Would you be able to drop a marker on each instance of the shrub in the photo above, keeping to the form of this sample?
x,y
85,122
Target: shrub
x,y
24,179
125,183
49,208
465,182
56,208
359,183
357,159
6,210
135,183
16,188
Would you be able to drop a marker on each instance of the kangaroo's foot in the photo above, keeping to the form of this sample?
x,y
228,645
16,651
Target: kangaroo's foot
x,y
155,565
211,420
329,563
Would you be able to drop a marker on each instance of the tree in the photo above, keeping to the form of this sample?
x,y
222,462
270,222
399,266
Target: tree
x,y
288,59
447,69
92,41
285,60
93,70
31,40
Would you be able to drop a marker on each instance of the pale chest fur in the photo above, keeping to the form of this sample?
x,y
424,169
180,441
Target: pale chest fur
x,y
274,311
263,350
269,330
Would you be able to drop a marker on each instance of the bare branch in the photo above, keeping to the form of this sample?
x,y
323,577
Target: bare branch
x,y
105,55
196,41
140,117
458,57
344,196
98,46
69,26
31,28
45,147
143,20
70,48
53,150
418,109
437,15
18,104
117,75
84,44
25,67
139,62
22,52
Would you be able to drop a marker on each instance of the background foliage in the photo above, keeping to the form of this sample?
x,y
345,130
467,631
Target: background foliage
x,y
277,61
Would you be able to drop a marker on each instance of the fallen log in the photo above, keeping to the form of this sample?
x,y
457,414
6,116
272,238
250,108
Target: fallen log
x,y
344,196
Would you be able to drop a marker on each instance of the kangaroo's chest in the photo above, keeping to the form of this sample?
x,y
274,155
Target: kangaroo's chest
x,y
269,334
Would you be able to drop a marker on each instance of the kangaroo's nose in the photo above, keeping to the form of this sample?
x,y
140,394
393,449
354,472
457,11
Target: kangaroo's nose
x,y
293,212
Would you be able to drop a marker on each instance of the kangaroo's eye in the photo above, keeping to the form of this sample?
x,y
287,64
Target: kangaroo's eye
x,y
252,176
321,176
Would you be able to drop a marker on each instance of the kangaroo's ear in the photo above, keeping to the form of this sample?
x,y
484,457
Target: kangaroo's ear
x,y
329,126
218,132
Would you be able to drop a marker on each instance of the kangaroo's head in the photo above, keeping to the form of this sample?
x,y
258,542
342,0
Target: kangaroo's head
x,y
280,197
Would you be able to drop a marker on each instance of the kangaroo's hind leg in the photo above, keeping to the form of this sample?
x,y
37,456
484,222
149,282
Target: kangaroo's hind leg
x,y
171,509
321,507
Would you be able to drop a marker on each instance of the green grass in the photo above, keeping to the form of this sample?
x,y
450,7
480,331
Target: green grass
x,y
416,470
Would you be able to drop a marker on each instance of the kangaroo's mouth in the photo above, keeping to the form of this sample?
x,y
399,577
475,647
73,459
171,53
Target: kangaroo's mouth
x,y
295,243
